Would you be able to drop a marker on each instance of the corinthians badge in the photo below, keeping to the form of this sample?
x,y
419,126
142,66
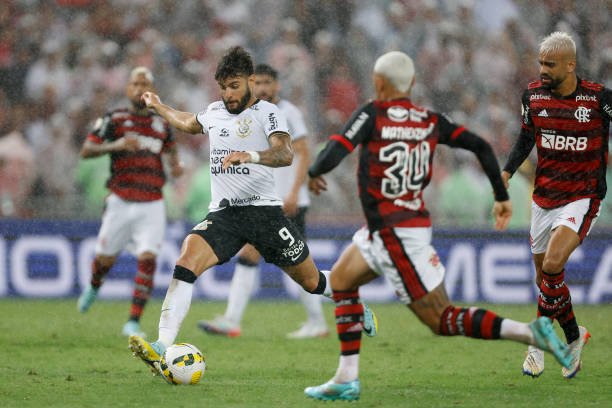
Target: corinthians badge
x,y
244,129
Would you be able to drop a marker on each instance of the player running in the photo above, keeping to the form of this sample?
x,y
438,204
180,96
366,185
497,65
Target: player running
x,y
568,120
290,185
248,137
398,140
134,215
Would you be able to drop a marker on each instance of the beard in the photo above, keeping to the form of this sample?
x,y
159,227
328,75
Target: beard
x,y
241,104
552,84
139,104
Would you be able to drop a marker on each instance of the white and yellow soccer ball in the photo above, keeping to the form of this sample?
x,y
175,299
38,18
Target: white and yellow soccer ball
x,y
182,363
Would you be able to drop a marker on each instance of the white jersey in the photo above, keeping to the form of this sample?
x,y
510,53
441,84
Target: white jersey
x,y
284,177
245,184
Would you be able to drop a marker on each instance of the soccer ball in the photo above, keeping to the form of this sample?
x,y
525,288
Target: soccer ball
x,y
182,363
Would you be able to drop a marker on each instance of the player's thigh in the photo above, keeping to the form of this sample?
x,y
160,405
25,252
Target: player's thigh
x,y
563,242
541,227
116,228
351,270
306,273
249,253
149,227
277,238
223,232
196,254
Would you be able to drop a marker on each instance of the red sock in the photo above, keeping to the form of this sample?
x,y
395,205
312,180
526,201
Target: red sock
x,y
470,322
98,273
143,286
553,294
349,321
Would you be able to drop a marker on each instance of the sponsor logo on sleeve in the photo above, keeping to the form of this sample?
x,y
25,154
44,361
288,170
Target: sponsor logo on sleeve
x,y
272,121
357,124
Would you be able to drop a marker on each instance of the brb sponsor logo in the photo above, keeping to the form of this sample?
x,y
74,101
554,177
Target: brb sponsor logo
x,y
559,142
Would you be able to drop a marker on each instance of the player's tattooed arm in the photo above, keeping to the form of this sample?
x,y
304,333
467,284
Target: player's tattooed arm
x,y
279,154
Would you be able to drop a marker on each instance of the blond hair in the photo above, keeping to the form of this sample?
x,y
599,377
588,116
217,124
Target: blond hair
x,y
142,71
556,42
398,68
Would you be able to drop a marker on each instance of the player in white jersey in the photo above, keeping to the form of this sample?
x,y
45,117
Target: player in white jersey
x,y
248,137
290,186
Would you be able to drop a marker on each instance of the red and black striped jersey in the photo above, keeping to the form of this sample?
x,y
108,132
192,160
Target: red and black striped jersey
x,y
571,137
139,175
398,140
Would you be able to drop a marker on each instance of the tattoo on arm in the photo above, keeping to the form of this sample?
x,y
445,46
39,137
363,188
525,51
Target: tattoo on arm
x,y
280,153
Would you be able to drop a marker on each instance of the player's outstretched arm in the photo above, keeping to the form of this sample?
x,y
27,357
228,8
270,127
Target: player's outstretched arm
x,y
126,144
183,121
280,153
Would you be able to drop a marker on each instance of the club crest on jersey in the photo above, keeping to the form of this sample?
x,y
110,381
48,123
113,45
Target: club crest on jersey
x,y
583,114
244,127
397,113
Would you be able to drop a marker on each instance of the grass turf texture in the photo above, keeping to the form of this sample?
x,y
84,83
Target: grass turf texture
x,y
54,357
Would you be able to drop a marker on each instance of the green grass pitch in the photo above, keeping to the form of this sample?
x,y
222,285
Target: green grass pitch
x,y
54,357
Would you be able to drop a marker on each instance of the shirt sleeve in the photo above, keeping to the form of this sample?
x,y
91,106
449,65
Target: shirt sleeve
x,y
448,130
201,118
170,141
356,131
606,102
525,141
103,130
274,121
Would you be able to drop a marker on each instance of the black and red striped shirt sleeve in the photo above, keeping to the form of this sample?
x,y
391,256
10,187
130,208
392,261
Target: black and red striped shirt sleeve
x,y
103,130
525,141
356,131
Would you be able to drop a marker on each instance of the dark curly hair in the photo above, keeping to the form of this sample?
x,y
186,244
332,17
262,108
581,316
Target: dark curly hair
x,y
265,69
234,63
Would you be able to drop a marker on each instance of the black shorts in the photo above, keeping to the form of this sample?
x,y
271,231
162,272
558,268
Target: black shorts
x,y
276,238
299,219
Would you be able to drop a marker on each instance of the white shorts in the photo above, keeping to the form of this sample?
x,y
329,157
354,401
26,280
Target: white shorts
x,y
136,226
580,216
405,257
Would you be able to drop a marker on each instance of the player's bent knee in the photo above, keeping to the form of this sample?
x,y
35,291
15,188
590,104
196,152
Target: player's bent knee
x,y
147,256
106,261
553,265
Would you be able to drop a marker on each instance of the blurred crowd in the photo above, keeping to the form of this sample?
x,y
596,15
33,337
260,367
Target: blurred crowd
x,y
64,63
